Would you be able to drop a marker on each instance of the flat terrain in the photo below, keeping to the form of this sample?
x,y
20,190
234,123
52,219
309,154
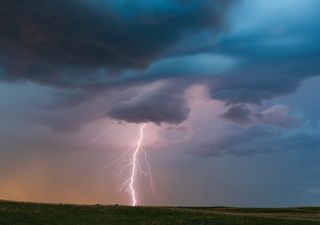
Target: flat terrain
x,y
58,214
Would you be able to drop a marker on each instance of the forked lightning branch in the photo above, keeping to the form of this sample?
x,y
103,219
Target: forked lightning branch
x,y
135,160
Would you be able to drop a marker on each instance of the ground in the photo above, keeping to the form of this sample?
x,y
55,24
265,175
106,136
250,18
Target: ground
x,y
14,213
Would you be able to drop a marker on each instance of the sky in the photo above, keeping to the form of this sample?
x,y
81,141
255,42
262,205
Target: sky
x,y
228,90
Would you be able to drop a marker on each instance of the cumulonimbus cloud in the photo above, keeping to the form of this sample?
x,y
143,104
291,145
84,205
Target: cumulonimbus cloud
x,y
90,44
252,115
72,43
163,102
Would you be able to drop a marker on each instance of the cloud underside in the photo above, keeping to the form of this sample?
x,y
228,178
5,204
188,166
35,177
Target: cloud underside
x,y
165,103
98,45
74,43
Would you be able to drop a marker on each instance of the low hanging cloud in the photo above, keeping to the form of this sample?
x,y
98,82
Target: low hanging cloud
x,y
251,115
162,102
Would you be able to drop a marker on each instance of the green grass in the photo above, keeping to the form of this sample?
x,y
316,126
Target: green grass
x,y
57,214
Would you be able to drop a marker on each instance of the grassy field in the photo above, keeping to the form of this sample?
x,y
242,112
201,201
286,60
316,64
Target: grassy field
x,y
57,214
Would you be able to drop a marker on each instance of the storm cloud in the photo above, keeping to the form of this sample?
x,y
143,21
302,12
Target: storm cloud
x,y
97,45
163,102
78,43
253,115
263,81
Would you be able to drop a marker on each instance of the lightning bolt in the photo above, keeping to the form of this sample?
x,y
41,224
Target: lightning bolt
x,y
130,159
134,167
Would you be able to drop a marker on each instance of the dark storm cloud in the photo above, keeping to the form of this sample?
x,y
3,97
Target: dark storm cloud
x,y
263,81
279,48
100,44
78,42
252,115
161,103
238,114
